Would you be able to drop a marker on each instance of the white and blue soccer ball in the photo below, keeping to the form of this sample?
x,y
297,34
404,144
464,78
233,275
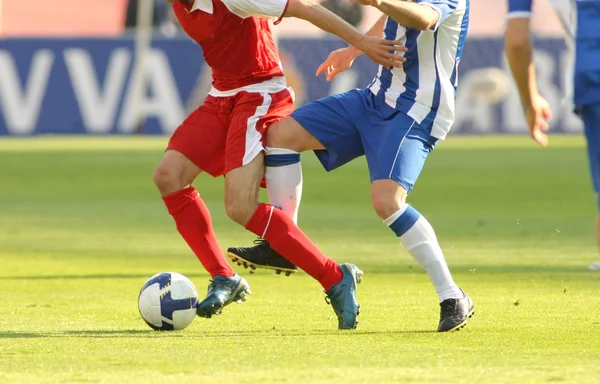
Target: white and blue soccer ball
x,y
168,301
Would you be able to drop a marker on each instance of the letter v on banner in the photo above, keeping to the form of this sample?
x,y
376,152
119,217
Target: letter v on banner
x,y
21,105
98,104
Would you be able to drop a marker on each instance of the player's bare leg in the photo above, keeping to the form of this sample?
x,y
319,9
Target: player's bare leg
x,y
285,140
266,221
173,178
174,172
419,239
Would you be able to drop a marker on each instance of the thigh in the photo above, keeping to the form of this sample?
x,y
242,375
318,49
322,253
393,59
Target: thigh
x,y
202,135
250,118
333,122
396,148
591,122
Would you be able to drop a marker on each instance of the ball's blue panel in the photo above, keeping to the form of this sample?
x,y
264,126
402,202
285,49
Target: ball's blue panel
x,y
168,305
163,280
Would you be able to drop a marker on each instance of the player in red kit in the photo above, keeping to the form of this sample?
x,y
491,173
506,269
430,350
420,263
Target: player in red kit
x,y
226,136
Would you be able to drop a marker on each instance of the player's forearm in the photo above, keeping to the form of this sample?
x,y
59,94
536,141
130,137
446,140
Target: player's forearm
x,y
376,31
325,20
519,53
409,14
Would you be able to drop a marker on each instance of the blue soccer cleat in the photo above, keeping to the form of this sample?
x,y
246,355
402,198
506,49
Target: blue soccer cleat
x,y
342,297
223,291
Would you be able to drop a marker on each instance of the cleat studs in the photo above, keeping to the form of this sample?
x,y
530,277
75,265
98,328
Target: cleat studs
x,y
288,273
252,266
278,271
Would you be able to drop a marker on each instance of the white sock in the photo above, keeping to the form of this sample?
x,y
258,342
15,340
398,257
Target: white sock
x,y
420,241
284,183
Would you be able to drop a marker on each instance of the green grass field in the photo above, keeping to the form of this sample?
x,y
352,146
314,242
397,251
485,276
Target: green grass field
x,y
82,228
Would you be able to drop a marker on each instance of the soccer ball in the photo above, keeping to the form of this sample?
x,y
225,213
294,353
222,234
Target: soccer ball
x,y
168,301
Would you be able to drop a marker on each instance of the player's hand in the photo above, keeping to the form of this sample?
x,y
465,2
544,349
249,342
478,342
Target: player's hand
x,y
537,120
337,62
382,51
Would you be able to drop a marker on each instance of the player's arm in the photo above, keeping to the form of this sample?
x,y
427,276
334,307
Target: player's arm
x,y
378,49
341,59
376,31
420,14
519,53
519,50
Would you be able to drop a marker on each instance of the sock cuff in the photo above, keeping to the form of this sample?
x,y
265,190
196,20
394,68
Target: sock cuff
x,y
394,216
177,201
404,221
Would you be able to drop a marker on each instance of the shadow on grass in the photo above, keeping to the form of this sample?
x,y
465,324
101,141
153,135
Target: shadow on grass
x,y
70,334
369,270
96,276
137,333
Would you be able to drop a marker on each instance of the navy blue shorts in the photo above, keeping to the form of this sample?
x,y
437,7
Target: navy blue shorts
x,y
350,125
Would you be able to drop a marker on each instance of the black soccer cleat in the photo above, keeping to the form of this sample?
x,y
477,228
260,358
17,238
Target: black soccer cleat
x,y
454,313
261,256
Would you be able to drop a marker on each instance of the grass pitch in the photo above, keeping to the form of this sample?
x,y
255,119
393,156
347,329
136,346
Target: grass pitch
x,y
81,229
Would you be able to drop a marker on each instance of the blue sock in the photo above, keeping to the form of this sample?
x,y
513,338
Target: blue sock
x,y
403,220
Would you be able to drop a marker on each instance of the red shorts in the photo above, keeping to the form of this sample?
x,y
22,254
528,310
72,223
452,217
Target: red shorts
x,y
226,133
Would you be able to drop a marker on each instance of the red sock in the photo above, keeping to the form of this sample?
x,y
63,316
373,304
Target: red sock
x,y
288,240
195,226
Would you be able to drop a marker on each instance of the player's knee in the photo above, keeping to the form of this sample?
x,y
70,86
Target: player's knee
x,y
277,137
174,173
240,209
289,134
167,179
163,178
385,205
387,197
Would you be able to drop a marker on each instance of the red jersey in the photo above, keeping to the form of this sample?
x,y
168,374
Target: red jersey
x,y
236,39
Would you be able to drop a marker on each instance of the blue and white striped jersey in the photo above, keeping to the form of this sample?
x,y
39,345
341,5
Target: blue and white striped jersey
x,y
581,21
425,86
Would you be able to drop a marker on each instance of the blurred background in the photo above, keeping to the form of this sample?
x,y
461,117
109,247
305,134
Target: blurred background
x,y
67,67
90,91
